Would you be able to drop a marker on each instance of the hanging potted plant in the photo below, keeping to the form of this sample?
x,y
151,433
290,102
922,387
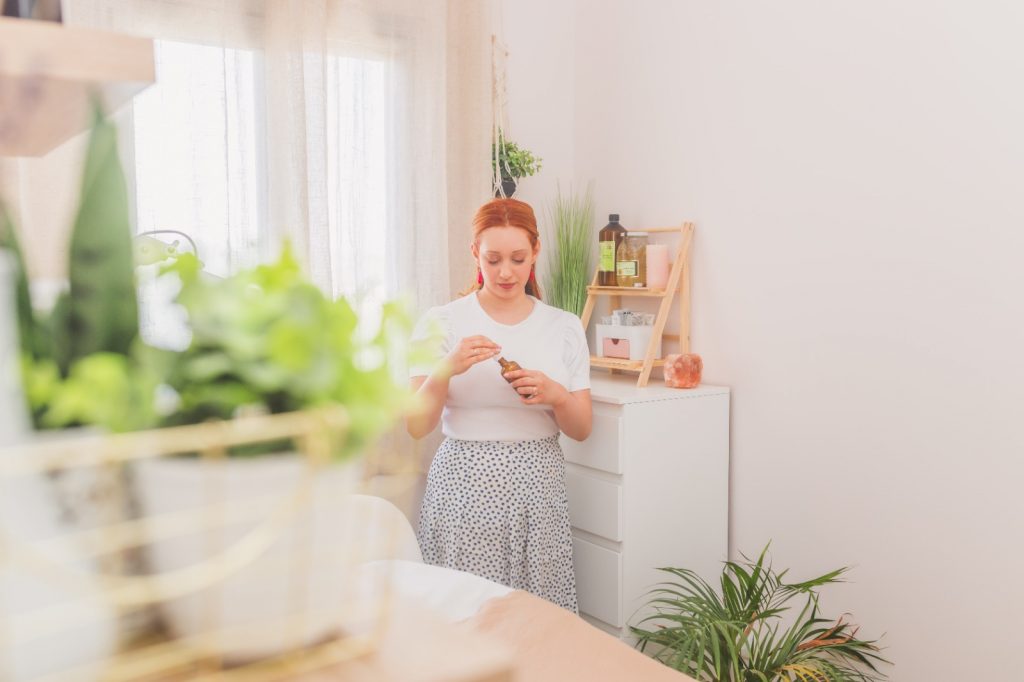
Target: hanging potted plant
x,y
509,163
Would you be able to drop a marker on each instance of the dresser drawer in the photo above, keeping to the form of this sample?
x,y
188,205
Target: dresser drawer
x,y
602,449
594,505
598,581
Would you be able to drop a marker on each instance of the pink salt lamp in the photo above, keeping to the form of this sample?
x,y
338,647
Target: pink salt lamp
x,y
683,370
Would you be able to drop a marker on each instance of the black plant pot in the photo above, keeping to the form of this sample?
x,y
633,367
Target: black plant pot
x,y
508,188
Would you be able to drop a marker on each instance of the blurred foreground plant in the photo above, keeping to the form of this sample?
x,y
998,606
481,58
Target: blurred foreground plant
x,y
266,339
263,340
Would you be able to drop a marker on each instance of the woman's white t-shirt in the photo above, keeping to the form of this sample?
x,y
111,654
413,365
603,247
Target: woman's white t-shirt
x,y
481,405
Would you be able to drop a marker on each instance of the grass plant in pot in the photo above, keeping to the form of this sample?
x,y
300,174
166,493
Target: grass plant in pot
x,y
509,163
748,631
570,223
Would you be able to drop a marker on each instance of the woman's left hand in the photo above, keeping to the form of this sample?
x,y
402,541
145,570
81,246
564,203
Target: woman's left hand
x,y
536,388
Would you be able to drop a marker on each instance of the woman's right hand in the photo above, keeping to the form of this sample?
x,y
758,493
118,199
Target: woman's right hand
x,y
469,351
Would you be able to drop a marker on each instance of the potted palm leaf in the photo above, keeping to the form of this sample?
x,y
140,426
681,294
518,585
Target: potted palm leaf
x,y
748,630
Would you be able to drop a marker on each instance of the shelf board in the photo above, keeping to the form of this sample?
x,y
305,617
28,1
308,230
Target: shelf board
x,y
625,365
626,291
49,72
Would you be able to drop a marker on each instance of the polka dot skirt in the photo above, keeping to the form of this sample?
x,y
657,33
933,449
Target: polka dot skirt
x,y
500,510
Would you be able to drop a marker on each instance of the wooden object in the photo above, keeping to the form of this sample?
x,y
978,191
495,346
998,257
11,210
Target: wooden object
x,y
414,646
649,488
49,72
678,283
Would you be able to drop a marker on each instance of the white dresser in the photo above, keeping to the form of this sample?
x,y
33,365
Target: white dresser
x,y
649,488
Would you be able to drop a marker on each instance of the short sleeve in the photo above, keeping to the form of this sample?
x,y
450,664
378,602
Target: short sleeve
x,y
431,341
576,354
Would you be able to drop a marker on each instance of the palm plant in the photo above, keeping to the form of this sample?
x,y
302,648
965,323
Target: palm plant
x,y
740,634
571,219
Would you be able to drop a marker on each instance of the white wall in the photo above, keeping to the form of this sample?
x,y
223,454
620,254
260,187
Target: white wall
x,y
854,169
540,39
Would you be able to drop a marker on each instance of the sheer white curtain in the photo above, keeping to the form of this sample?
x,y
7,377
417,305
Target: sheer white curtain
x,y
320,121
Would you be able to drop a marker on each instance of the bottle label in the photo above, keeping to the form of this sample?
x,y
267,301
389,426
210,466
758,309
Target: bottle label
x,y
607,256
627,268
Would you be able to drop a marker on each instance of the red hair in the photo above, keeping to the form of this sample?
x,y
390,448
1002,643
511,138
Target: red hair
x,y
508,213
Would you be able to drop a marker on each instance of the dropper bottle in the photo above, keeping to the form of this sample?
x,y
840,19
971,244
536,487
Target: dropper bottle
x,y
508,366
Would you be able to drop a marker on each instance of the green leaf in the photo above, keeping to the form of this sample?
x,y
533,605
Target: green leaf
x,y
28,332
104,389
102,313
266,338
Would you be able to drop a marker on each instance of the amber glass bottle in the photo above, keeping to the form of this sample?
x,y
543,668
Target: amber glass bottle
x,y
508,366
610,237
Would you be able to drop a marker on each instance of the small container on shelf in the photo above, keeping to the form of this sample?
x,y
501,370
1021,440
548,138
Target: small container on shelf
x,y
631,261
625,342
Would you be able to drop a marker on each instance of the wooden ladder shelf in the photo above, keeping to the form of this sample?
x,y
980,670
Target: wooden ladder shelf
x,y
678,283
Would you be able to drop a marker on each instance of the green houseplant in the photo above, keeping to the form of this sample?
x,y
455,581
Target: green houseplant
x,y
79,360
264,340
509,163
570,220
748,631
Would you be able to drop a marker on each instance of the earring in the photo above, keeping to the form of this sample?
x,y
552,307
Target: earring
x,y
533,274
480,277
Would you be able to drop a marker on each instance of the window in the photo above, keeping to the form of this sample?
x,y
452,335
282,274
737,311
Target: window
x,y
197,156
201,160
202,166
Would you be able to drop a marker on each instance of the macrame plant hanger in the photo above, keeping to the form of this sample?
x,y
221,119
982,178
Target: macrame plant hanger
x,y
499,110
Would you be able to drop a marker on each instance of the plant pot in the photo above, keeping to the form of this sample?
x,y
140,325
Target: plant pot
x,y
79,628
507,189
279,545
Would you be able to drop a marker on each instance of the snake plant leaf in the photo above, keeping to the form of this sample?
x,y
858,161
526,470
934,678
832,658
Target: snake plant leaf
x,y
27,326
102,312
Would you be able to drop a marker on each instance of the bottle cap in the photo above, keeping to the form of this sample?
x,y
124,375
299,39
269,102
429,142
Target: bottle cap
x,y
613,218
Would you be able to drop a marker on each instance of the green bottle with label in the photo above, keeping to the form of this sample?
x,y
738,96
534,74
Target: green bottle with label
x,y
609,238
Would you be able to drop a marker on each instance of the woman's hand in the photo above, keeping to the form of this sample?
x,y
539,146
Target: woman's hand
x,y
469,351
537,388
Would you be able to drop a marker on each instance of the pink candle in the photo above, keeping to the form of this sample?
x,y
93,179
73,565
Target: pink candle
x,y
657,266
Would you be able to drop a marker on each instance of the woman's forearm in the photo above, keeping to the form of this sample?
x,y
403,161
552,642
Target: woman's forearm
x,y
574,415
432,393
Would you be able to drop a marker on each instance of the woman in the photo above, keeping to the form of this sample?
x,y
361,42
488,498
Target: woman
x,y
496,503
